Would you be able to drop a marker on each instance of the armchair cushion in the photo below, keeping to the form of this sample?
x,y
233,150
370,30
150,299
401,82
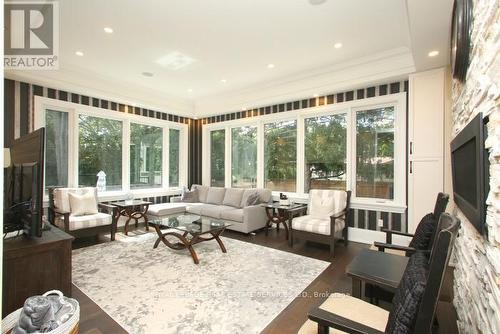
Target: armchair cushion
x,y
351,308
407,300
61,198
81,222
326,203
81,205
317,225
424,233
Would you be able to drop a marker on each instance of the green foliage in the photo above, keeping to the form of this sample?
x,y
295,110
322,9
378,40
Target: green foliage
x,y
146,143
325,148
100,148
280,151
173,157
217,149
244,156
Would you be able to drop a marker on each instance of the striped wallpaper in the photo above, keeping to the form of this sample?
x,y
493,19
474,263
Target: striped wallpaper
x,y
18,121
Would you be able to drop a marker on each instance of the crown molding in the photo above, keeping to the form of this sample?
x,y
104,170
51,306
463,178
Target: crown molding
x,y
394,64
77,81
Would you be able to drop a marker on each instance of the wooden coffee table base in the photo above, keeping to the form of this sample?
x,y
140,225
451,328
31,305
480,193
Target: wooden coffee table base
x,y
186,242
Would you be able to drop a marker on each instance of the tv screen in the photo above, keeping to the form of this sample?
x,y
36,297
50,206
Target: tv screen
x,y
469,172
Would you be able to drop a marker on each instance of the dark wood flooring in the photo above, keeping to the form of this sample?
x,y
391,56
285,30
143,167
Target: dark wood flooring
x,y
94,320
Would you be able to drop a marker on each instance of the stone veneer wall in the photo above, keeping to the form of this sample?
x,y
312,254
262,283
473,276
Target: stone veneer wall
x,y
477,258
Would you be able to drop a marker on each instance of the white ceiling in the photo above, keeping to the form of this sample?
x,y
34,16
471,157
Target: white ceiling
x,y
235,40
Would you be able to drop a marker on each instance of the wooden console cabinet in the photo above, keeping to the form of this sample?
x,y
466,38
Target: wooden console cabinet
x,y
35,266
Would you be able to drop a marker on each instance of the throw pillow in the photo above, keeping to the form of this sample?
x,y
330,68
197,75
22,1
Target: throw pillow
x,y
253,199
423,237
84,204
407,300
190,196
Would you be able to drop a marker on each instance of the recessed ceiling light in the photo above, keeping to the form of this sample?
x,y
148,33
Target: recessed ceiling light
x,y
147,74
244,109
270,66
433,53
79,53
337,45
108,30
316,95
223,80
190,90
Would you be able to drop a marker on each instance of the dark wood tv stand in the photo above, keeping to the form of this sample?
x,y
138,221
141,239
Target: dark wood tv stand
x,y
35,266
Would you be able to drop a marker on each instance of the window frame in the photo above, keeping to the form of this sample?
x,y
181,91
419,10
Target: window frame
x,y
41,104
398,101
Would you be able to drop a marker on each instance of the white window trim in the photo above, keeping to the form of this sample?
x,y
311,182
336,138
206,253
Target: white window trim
x,y
349,108
41,104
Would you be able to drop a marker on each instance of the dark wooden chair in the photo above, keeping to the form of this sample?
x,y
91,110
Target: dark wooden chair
x,y
327,218
426,230
414,304
59,214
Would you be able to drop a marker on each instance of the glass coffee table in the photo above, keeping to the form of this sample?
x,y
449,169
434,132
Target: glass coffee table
x,y
190,230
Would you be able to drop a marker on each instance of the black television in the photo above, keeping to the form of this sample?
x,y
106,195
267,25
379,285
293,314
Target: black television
x,y
470,170
23,187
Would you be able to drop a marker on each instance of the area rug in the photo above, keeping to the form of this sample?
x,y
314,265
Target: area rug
x,y
160,290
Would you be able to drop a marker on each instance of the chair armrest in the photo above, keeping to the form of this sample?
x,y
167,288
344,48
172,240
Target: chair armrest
x,y
389,233
326,319
382,246
339,214
61,212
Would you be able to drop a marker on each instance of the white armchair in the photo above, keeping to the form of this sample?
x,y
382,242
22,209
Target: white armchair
x,y
326,219
103,219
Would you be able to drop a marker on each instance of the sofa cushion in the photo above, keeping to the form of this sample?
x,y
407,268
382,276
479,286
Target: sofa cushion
x,y
233,215
246,194
80,222
265,195
190,196
313,224
214,211
202,192
215,195
232,197
194,207
253,199
165,209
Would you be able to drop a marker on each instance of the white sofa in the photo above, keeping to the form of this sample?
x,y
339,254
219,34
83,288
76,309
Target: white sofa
x,y
228,204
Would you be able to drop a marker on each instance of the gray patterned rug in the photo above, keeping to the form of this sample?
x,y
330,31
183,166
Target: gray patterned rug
x,y
160,290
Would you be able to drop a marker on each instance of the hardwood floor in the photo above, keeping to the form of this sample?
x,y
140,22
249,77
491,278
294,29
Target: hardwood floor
x,y
332,279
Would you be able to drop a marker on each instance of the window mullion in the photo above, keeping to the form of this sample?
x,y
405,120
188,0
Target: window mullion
x,y
126,155
300,155
165,170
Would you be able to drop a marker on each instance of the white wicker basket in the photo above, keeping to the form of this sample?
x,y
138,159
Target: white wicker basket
x,y
69,327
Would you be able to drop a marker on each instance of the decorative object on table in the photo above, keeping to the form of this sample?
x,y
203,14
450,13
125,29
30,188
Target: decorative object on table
x,y
461,38
50,313
284,200
101,181
62,214
188,218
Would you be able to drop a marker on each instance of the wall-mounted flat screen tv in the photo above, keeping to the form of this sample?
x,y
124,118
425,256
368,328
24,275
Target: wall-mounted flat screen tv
x,y
470,170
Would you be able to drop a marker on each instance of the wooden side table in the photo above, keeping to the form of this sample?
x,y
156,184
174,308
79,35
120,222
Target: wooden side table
x,y
282,214
132,209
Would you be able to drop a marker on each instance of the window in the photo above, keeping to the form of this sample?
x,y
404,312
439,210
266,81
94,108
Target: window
x,y
217,152
146,149
56,148
325,143
280,155
99,149
375,153
244,157
173,157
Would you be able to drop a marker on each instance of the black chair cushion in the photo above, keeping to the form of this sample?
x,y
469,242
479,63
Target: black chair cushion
x,y
422,239
406,302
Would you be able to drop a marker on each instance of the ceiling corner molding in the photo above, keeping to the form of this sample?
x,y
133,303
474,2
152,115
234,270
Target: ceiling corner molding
x,y
94,85
393,64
